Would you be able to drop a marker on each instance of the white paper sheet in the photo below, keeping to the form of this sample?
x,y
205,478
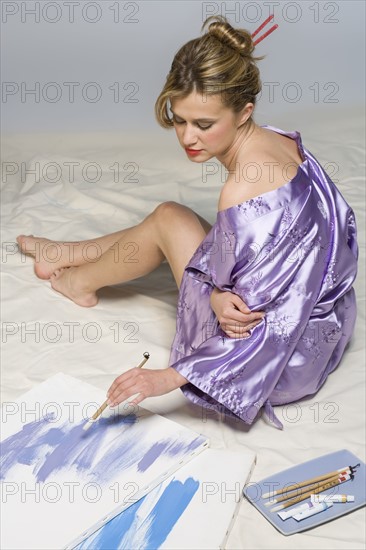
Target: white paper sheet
x,y
60,482
194,508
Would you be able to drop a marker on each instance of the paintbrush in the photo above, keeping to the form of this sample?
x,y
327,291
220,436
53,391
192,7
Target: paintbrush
x,y
322,477
97,413
327,485
297,492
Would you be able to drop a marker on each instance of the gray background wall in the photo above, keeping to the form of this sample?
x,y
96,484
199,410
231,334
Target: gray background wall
x,y
100,65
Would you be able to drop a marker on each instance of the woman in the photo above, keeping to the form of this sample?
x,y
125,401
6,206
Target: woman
x,y
266,304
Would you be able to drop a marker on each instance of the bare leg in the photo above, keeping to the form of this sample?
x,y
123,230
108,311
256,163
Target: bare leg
x,y
50,256
171,232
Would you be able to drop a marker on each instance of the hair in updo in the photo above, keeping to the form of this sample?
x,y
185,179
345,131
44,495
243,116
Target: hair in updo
x,y
219,62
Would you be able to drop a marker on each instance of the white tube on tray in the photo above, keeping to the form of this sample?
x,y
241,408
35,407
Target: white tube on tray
x,y
312,511
290,513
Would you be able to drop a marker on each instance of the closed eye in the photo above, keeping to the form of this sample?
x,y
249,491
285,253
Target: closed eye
x,y
177,120
206,127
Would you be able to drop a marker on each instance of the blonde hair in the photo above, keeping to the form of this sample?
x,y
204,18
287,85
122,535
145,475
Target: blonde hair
x,y
219,62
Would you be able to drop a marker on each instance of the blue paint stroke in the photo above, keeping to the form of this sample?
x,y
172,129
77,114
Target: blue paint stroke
x,y
129,530
168,447
20,446
168,510
48,449
111,534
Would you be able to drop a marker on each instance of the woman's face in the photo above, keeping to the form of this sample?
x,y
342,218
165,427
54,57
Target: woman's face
x,y
205,127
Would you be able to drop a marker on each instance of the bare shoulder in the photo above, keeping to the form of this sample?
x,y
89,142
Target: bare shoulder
x,y
270,162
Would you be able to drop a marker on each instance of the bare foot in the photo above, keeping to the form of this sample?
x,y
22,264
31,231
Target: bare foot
x,y
48,255
66,282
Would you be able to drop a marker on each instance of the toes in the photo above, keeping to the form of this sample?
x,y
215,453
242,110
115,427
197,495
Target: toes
x,y
21,238
56,274
25,242
41,273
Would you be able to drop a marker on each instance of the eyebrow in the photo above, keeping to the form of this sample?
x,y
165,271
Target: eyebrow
x,y
196,120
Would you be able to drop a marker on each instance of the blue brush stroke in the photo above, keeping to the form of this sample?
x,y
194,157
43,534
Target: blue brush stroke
x,y
48,449
162,518
167,446
168,510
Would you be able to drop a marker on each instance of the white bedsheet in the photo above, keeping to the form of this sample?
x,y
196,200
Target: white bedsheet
x,y
44,333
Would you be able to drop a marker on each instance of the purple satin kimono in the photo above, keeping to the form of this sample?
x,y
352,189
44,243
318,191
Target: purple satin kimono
x,y
292,253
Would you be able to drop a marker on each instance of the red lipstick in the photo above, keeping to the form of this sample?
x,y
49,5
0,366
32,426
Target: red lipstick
x,y
193,152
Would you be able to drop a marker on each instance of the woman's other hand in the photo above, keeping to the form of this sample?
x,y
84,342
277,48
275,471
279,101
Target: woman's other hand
x,y
234,316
